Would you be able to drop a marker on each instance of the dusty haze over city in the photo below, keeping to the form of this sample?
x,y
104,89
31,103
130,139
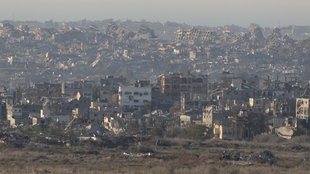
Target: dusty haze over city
x,y
154,86
194,12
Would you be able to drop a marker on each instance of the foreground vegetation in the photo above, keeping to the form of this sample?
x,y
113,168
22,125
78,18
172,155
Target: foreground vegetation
x,y
173,155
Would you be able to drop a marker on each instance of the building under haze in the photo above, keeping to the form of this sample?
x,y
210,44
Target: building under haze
x,y
135,97
192,87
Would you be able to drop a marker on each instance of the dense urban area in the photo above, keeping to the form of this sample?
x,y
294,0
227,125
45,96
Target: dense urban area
x,y
141,88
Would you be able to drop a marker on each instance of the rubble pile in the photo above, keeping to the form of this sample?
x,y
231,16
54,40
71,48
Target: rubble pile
x,y
261,157
52,47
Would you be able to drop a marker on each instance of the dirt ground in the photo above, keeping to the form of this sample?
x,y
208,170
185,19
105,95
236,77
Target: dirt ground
x,y
172,156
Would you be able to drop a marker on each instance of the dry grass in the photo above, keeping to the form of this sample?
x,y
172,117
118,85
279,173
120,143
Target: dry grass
x,y
182,157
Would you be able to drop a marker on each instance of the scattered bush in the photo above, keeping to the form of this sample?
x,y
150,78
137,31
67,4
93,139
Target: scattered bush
x,y
156,132
175,132
301,139
213,170
196,131
144,149
266,138
165,142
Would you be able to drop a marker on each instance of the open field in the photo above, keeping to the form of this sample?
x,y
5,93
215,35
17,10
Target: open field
x,y
168,156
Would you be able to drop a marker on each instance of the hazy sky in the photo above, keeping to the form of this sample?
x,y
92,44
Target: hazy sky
x,y
195,12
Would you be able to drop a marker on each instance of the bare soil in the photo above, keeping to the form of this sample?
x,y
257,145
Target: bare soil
x,y
174,156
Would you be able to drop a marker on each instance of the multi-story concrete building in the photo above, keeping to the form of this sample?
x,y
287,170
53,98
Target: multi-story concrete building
x,y
135,97
22,114
302,108
192,87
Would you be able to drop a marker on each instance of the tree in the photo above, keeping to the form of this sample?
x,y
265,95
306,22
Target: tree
x,y
196,131
254,124
174,108
156,132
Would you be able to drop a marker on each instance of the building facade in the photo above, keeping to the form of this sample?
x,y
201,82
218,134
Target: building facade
x,y
134,97
193,87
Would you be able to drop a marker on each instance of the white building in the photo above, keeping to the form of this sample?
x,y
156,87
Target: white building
x,y
302,108
134,97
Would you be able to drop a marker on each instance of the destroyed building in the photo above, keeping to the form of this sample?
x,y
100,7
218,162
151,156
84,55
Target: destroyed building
x,y
135,97
193,87
62,67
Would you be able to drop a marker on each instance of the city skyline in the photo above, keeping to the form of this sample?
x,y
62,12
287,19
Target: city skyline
x,y
194,12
